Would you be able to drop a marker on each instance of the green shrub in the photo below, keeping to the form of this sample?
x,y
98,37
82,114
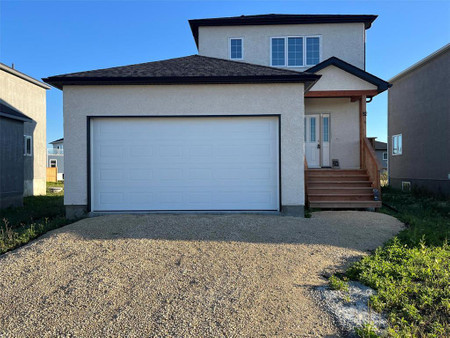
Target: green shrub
x,y
338,284
368,330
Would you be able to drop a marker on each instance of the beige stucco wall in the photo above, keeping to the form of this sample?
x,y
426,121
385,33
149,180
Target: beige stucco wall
x,y
334,78
30,99
344,128
345,41
283,99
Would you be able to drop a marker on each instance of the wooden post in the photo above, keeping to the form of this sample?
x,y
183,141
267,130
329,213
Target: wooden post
x,y
362,129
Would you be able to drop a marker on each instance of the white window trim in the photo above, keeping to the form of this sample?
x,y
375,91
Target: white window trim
x,y
385,156
392,150
25,138
286,63
229,47
56,163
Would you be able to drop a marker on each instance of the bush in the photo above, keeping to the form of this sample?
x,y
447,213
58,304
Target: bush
x,y
338,284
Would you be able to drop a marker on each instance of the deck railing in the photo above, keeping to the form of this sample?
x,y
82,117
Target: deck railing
x,y
306,181
55,151
370,163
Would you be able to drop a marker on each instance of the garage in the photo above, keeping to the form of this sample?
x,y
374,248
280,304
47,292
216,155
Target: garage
x,y
228,163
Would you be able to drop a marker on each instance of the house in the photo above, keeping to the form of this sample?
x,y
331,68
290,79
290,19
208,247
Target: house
x,y
26,97
418,125
12,150
269,116
55,157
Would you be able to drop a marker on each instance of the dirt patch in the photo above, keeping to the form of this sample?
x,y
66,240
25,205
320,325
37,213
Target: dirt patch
x,y
206,275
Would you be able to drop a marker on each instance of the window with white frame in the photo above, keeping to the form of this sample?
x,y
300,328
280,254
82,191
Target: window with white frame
x,y
295,51
27,145
53,163
236,48
397,144
385,156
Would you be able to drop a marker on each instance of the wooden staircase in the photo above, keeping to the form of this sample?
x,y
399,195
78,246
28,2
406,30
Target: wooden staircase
x,y
340,189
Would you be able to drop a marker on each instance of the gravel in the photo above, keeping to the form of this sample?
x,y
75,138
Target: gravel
x,y
350,308
183,275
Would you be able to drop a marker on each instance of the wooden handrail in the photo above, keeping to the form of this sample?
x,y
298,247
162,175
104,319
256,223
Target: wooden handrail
x,y
306,181
370,163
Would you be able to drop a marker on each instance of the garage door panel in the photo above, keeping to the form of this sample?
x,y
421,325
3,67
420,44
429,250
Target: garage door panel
x,y
184,163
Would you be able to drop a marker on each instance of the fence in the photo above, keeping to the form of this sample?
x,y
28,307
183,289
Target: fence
x,y
52,174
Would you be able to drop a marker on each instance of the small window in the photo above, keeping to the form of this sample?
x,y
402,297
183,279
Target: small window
x,y
397,144
295,52
312,51
236,49
27,145
278,52
313,129
385,156
326,128
406,186
53,163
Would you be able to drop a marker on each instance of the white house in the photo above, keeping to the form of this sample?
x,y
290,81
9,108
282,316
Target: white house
x,y
269,116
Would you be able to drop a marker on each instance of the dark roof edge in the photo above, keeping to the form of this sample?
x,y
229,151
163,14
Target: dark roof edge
x,y
23,117
280,19
23,76
59,82
57,141
362,74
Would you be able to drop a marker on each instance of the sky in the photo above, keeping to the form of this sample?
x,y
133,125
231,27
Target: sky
x,y
45,38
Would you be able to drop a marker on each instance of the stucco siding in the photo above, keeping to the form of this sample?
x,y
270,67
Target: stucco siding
x,y
345,41
344,128
30,99
334,78
202,100
11,162
419,106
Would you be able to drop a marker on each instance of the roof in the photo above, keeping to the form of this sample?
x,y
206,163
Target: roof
x,y
280,19
362,74
194,69
380,145
57,141
422,62
12,113
23,76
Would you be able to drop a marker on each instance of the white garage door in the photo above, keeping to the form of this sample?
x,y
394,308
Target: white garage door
x,y
191,163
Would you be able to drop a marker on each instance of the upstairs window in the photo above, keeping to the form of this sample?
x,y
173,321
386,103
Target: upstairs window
x,y
27,145
385,156
295,51
236,49
397,144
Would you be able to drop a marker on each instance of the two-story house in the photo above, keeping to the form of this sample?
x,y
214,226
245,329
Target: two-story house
x,y
55,157
269,116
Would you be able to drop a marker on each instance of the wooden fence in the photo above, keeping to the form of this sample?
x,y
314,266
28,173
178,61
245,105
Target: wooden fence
x,y
52,174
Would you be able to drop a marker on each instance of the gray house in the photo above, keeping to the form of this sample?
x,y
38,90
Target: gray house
x,y
418,125
382,155
27,96
12,150
55,157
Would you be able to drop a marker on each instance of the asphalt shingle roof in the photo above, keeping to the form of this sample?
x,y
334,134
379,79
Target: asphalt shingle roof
x,y
190,69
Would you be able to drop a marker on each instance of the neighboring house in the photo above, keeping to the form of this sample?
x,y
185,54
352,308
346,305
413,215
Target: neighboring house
x,y
55,157
12,150
419,123
28,96
231,128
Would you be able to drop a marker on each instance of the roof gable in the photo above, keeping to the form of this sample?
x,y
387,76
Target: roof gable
x,y
380,84
194,69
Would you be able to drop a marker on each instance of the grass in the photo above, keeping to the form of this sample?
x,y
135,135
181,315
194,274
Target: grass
x,y
411,272
38,215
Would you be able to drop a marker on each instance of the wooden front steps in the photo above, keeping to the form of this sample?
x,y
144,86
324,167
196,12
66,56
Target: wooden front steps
x,y
339,189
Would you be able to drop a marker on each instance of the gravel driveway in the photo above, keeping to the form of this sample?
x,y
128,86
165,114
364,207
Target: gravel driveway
x,y
206,275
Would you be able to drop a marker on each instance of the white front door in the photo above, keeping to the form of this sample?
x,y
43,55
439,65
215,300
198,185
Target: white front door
x,y
312,137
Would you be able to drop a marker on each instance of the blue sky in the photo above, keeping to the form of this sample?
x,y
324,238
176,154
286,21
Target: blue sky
x,y
45,38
